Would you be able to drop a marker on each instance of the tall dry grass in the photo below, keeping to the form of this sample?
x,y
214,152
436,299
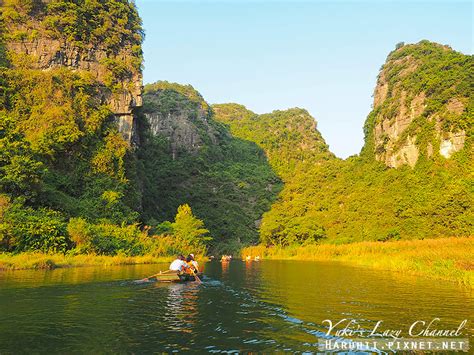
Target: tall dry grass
x,y
51,261
443,258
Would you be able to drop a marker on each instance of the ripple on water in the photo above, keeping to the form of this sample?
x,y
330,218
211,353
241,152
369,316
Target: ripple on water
x,y
263,306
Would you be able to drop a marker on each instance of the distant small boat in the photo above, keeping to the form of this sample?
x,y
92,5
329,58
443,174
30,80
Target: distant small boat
x,y
226,258
249,258
173,276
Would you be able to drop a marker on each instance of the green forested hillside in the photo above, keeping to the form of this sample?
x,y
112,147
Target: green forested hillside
x,y
354,201
358,199
290,138
62,159
191,158
294,148
84,169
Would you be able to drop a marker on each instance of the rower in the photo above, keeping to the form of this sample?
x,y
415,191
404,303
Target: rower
x,y
194,262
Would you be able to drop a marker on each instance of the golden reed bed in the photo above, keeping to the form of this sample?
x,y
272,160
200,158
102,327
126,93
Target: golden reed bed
x,y
443,258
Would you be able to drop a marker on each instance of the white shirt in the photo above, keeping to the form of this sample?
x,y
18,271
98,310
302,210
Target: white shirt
x,y
178,265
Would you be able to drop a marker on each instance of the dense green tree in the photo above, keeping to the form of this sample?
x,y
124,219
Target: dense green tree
x,y
20,171
26,229
189,230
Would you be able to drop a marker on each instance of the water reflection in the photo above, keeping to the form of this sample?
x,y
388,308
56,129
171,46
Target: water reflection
x,y
225,266
247,307
76,275
181,311
314,292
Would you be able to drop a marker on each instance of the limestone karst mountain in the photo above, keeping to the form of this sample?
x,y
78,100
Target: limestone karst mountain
x,y
81,159
100,39
422,105
186,156
290,138
70,79
421,124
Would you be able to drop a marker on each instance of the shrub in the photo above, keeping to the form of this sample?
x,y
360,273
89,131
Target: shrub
x,y
107,239
393,234
165,228
80,232
26,229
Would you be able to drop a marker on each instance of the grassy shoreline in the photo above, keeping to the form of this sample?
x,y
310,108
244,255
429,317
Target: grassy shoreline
x,y
443,258
52,261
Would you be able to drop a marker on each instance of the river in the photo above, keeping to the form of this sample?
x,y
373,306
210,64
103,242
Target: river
x,y
257,306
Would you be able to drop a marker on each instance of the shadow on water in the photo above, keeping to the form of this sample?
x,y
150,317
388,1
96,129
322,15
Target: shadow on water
x,y
263,306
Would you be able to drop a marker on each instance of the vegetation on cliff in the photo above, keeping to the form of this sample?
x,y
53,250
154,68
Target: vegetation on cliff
x,y
62,174
70,183
67,179
109,23
80,28
289,138
188,157
328,200
61,152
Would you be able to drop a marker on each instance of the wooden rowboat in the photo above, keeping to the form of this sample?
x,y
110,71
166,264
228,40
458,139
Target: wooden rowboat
x,y
173,276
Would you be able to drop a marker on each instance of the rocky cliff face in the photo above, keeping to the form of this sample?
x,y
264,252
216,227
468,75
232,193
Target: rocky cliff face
x,y
38,38
180,115
420,105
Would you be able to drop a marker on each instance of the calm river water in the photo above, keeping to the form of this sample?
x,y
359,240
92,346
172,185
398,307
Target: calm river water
x,y
258,306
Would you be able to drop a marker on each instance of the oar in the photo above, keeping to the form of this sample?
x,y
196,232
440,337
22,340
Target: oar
x,y
196,276
149,277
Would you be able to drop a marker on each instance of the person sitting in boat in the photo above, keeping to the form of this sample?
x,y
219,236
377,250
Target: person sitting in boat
x,y
179,264
191,269
193,262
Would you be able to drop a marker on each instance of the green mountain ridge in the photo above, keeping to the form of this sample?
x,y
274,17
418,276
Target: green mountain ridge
x,y
86,166
188,157
290,138
340,201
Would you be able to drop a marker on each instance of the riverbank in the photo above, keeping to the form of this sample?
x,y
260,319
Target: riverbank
x,y
52,261
444,258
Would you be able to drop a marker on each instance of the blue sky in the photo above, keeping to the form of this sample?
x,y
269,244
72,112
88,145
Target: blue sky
x,y
268,55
